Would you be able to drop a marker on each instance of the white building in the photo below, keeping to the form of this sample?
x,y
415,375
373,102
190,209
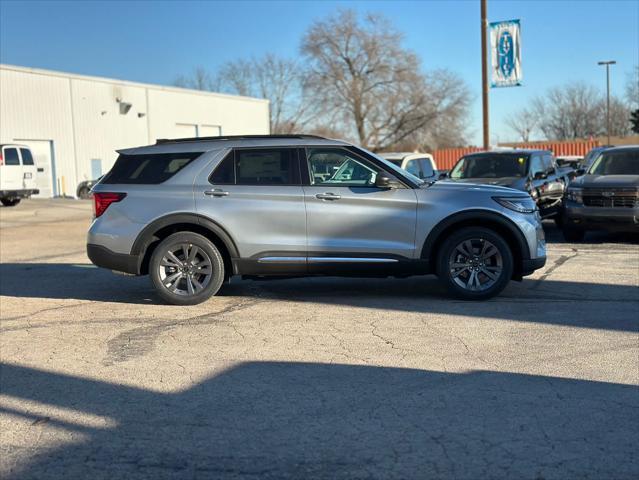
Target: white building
x,y
74,123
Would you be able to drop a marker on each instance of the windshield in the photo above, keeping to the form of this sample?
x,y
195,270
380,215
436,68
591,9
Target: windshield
x,y
616,163
394,168
491,166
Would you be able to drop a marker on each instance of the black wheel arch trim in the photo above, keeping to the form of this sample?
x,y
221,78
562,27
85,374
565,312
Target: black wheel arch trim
x,y
474,215
147,235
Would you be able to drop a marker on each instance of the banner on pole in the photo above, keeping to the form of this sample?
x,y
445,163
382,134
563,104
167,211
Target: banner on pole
x,y
505,53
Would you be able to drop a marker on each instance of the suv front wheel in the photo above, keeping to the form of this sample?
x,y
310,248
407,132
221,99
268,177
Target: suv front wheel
x,y
186,269
475,263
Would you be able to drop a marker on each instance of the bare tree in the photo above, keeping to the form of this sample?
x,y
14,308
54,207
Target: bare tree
x,y
199,79
570,112
632,88
373,86
620,113
280,81
523,123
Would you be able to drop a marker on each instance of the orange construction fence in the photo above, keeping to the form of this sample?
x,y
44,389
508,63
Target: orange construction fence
x,y
447,157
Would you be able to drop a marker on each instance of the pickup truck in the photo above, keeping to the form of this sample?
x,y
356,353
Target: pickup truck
x,y
533,171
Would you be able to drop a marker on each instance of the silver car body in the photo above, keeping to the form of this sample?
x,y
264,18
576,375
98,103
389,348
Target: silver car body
x,y
290,226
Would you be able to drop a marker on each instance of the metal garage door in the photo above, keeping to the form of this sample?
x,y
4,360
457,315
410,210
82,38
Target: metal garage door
x,y
43,154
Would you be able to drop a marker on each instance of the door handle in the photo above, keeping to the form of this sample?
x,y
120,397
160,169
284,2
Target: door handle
x,y
328,196
216,193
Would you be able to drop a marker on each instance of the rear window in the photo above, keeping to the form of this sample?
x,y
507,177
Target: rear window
x,y
148,169
11,156
27,158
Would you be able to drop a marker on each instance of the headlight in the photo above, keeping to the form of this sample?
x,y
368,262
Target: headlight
x,y
518,204
575,194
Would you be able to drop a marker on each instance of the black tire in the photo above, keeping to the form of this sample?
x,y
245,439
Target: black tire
x,y
179,292
501,262
572,234
10,202
84,193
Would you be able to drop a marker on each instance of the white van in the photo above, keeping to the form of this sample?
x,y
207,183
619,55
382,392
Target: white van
x,y
422,165
17,174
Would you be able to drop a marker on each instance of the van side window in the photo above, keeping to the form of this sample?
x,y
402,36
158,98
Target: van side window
x,y
27,158
11,156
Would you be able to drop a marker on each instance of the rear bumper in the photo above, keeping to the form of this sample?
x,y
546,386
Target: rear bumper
x,y
19,193
120,262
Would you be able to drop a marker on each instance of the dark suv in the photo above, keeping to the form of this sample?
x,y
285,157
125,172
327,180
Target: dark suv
x,y
606,197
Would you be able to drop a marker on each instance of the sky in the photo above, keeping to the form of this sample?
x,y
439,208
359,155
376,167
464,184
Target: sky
x,y
155,41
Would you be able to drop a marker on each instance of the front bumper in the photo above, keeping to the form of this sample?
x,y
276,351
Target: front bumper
x,y
120,262
601,218
24,193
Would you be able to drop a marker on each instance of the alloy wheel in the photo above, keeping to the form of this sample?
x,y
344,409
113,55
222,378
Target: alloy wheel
x,y
185,269
475,264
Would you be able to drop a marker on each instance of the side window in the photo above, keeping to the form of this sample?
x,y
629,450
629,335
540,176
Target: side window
x,y
11,156
548,163
27,158
412,166
334,166
224,173
536,165
427,168
267,167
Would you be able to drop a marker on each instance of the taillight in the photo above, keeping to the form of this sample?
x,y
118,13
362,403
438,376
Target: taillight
x,y
1,159
102,200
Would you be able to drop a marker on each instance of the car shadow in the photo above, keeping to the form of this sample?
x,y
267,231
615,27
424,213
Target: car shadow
x,y
281,420
533,300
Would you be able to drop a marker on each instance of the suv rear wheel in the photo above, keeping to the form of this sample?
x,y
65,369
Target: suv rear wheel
x,y
186,269
475,263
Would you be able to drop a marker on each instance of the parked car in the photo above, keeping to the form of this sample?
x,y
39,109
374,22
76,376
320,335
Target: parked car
x,y
572,161
193,212
531,171
84,188
606,197
17,174
422,165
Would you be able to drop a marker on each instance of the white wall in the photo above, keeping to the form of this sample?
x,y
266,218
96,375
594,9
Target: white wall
x,y
81,115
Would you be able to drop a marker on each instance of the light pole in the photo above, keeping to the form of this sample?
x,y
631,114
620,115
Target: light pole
x,y
607,64
484,75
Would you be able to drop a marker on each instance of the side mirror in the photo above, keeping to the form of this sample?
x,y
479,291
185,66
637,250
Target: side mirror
x,y
442,176
539,176
580,171
386,181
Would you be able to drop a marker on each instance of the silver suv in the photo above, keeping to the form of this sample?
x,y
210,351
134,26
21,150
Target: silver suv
x,y
191,213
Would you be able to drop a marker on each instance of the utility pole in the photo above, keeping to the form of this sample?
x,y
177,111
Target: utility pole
x,y
484,75
607,64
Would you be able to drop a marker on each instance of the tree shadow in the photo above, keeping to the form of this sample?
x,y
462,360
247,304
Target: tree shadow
x,y
306,420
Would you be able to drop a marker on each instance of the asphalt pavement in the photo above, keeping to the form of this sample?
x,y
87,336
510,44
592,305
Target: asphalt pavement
x,y
326,378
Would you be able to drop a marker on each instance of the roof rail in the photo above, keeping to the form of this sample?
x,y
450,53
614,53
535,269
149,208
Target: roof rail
x,y
161,141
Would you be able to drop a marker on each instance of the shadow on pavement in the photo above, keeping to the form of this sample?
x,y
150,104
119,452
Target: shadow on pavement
x,y
305,420
541,301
